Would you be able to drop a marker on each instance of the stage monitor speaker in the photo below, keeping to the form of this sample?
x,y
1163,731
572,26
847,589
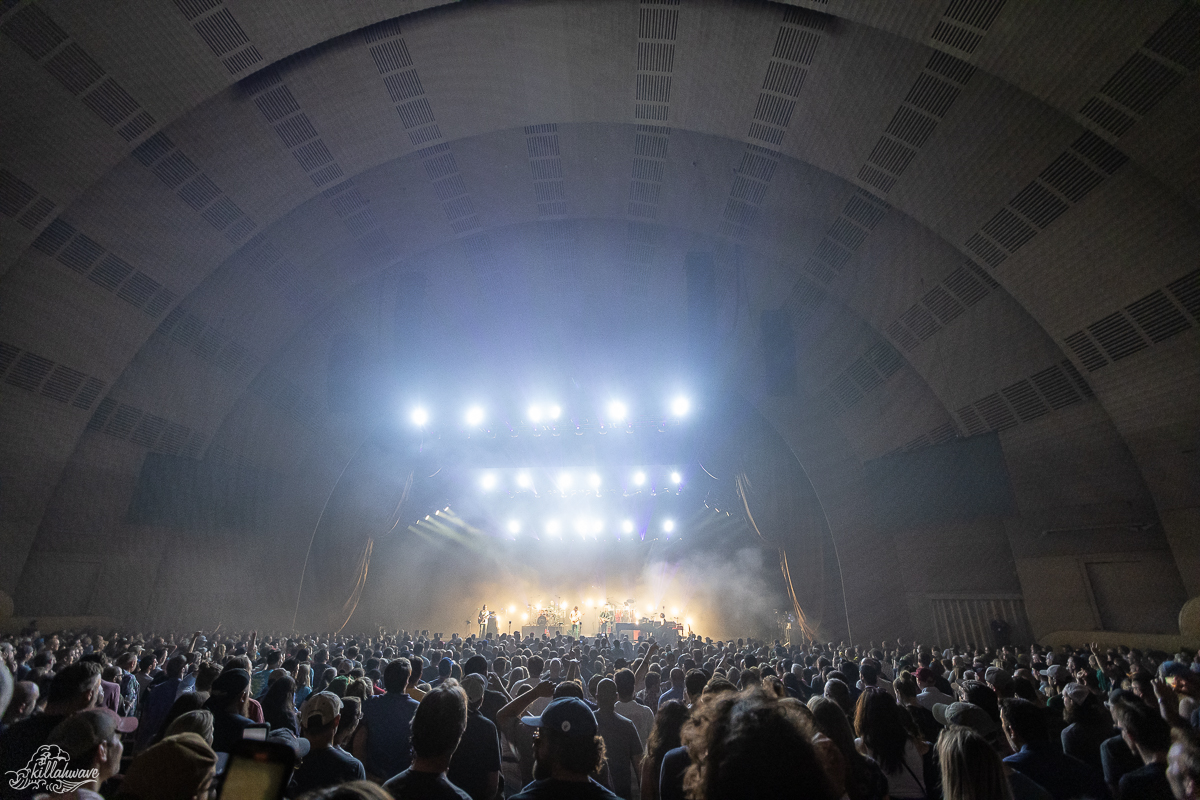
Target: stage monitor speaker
x,y
779,352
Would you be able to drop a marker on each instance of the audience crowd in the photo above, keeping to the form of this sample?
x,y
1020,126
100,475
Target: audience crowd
x,y
409,715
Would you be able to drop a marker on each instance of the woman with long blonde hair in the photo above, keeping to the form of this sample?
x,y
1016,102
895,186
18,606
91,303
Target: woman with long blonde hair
x,y
971,768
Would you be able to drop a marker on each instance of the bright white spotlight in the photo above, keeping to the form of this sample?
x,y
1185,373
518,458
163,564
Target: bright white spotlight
x,y
627,526
680,406
524,618
512,609
553,527
555,412
564,605
475,415
639,478
419,417
668,525
535,413
674,612
689,622
523,480
514,526
594,480
676,477
597,525
488,481
581,526
564,481
617,411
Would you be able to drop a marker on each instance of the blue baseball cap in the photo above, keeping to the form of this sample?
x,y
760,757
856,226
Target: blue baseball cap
x,y
1175,669
567,715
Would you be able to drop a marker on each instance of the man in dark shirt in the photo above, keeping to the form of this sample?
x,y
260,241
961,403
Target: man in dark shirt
x,y
159,701
325,765
475,767
622,745
381,742
1039,759
229,695
1150,737
74,688
567,752
437,727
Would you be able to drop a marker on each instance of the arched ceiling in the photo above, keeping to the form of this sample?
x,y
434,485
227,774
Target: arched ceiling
x,y
976,215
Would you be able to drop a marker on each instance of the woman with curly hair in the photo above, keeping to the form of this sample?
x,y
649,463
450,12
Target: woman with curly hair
x,y
751,744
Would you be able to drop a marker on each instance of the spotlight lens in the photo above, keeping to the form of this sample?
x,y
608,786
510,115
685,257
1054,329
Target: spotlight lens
x,y
675,612
639,478
514,526
512,609
594,480
535,413
555,412
523,480
474,415
564,604
668,525
676,477
419,417
617,411
564,480
553,527
488,482
680,406
627,526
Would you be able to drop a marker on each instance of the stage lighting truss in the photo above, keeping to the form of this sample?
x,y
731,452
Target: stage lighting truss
x,y
584,481
600,416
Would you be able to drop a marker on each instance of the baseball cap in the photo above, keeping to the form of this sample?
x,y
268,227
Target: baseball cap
x,y
173,769
476,665
924,675
968,715
997,676
82,732
1076,691
325,705
231,682
474,687
1051,671
567,715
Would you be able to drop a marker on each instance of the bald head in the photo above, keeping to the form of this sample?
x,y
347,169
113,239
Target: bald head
x,y
24,700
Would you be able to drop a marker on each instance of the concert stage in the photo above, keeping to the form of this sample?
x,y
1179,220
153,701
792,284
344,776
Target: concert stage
x,y
538,630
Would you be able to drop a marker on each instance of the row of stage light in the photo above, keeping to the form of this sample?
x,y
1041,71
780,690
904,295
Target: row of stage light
x,y
566,481
592,604
616,412
554,527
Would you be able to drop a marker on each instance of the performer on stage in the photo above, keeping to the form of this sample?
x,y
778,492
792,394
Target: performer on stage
x,y
606,620
483,619
493,625
576,618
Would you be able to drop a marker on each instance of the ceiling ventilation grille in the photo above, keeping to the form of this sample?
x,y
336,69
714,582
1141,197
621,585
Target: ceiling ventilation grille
x,y
796,44
867,372
545,163
926,103
1154,318
658,25
961,289
35,373
85,257
1056,387
32,29
123,421
296,131
964,24
205,341
217,26
1163,61
391,57
1159,65
20,201
160,155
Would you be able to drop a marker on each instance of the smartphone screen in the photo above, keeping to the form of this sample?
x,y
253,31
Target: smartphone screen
x,y
255,732
258,772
